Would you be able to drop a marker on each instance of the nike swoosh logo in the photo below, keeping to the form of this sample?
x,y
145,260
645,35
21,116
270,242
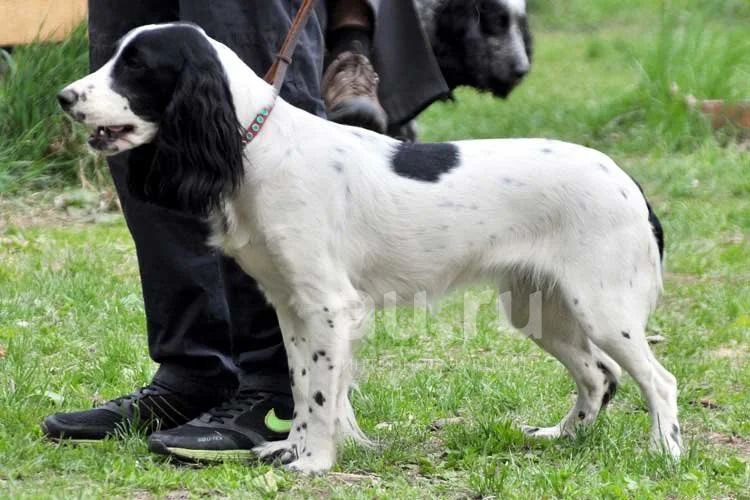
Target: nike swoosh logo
x,y
277,424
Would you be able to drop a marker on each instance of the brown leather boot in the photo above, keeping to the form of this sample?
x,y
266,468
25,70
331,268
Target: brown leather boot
x,y
350,92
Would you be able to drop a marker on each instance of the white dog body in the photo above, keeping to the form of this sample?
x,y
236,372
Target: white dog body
x,y
331,220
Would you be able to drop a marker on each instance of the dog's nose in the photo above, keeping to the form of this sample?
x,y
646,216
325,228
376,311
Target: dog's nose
x,y
520,70
67,98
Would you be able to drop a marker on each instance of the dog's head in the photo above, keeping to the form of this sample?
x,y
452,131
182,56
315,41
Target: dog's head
x,y
165,86
485,44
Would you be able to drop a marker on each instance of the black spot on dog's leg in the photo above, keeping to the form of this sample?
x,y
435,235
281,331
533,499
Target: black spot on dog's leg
x,y
603,167
304,372
675,433
624,194
319,398
625,334
338,166
424,162
611,391
546,151
533,430
581,415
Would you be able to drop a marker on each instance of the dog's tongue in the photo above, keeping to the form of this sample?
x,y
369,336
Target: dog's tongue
x,y
116,129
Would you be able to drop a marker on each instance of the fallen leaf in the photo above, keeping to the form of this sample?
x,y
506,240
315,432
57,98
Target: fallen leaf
x,y
2,352
267,483
55,397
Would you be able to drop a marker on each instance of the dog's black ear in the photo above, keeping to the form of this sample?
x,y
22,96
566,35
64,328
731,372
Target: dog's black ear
x,y
199,150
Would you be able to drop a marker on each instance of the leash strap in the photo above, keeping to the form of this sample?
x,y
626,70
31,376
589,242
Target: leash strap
x,y
277,71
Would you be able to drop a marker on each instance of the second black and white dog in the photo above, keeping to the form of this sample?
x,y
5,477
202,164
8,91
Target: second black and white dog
x,y
485,44
331,219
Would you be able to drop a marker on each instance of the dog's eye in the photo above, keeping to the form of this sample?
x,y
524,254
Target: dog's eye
x,y
494,22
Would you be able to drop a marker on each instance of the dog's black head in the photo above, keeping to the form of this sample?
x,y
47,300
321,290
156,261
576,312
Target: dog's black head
x,y
165,88
484,44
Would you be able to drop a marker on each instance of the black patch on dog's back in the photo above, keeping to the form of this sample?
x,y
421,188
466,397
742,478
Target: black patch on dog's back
x,y
424,162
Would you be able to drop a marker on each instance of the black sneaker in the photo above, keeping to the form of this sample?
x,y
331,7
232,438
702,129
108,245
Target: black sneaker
x,y
229,431
149,408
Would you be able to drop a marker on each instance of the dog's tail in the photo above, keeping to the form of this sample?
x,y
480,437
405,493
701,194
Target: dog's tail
x,y
657,228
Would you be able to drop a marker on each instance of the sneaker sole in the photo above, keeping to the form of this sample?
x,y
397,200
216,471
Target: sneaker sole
x,y
65,440
201,455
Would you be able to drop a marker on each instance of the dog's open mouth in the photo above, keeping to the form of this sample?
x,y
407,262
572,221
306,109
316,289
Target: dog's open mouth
x,y
102,138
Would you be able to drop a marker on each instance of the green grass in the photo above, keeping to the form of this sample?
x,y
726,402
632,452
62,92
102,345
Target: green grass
x,y
71,321
38,146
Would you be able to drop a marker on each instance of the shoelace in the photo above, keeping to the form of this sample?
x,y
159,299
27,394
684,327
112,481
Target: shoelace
x,y
146,390
241,402
156,408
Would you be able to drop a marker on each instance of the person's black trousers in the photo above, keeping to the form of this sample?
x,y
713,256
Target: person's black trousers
x,y
207,322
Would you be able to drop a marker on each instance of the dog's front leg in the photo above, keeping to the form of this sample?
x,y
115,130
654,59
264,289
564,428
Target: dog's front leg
x,y
296,344
330,330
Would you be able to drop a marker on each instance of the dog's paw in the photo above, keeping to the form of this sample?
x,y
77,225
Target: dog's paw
x,y
669,445
542,432
310,465
282,452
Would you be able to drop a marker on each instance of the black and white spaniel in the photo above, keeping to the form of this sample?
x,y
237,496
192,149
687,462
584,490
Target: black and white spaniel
x,y
332,220
485,44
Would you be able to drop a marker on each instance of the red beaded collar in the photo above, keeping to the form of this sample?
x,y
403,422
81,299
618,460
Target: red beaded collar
x,y
252,130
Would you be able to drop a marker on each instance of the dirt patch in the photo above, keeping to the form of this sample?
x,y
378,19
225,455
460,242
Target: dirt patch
x,y
58,209
738,444
733,352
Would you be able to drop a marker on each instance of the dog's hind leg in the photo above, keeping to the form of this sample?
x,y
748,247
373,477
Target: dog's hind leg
x,y
613,310
595,374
